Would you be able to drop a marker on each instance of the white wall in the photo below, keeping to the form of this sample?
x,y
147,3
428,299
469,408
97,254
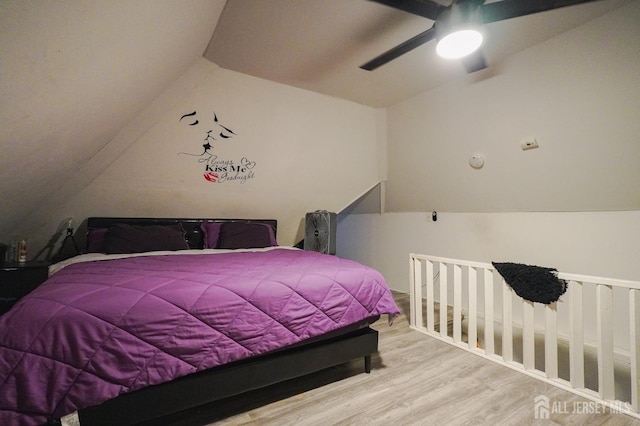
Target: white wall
x,y
578,94
602,244
310,151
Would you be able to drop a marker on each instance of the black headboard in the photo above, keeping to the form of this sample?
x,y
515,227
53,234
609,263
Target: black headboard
x,y
191,226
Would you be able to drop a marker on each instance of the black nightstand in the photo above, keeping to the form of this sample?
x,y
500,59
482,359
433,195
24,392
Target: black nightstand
x,y
18,279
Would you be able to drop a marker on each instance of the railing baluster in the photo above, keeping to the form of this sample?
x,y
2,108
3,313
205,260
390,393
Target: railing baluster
x,y
489,341
416,293
443,299
457,303
576,345
604,303
507,323
551,341
430,299
472,323
528,337
634,318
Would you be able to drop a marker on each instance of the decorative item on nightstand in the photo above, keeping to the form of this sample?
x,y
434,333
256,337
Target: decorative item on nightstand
x,y
320,232
69,247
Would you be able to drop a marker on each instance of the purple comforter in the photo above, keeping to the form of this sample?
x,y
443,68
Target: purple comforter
x,y
98,329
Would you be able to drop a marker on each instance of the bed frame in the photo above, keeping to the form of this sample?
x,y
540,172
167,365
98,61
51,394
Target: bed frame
x,y
232,379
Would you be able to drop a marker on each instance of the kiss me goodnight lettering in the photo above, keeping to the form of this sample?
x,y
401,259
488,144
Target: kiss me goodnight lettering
x,y
221,171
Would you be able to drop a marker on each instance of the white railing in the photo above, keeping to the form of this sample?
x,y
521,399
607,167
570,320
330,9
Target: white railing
x,y
595,326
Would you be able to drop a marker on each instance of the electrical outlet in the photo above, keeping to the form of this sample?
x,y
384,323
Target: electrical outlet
x,y
529,143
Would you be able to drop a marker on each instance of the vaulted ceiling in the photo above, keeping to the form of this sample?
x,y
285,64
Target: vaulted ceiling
x,y
75,73
319,45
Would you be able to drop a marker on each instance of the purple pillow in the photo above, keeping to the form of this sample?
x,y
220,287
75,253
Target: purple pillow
x,y
211,231
95,240
237,235
124,238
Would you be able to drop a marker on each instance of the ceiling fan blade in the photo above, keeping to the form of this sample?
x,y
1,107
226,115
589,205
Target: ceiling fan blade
x,y
507,9
400,50
475,61
425,8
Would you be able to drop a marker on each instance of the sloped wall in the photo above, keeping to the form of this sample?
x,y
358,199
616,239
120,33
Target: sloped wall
x,y
73,75
274,152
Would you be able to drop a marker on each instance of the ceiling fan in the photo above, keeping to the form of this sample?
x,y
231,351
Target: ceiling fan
x,y
462,15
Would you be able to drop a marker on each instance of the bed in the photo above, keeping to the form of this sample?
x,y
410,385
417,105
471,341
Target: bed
x,y
163,315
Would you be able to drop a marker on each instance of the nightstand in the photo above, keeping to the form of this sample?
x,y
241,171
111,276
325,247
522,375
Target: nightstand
x,y
18,279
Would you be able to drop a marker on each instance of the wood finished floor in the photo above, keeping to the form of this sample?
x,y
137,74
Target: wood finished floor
x,y
416,380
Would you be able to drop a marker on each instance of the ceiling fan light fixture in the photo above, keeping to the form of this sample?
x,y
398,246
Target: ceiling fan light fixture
x,y
458,44
458,30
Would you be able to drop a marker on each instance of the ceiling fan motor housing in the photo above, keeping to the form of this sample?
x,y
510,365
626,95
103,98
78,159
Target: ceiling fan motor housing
x,y
459,30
